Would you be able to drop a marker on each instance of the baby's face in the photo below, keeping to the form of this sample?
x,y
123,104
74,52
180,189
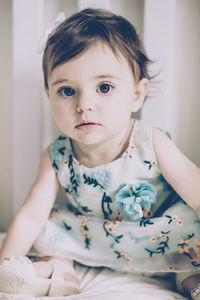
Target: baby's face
x,y
92,96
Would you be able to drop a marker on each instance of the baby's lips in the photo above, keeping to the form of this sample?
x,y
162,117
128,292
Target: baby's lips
x,y
86,124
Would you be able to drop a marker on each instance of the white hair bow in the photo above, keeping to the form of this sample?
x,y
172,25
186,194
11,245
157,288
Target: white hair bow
x,y
54,25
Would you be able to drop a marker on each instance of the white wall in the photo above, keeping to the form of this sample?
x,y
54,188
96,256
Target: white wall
x,y
186,79
6,115
27,83
172,39
159,36
171,34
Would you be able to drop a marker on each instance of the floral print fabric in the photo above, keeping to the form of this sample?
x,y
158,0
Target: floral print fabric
x,y
122,215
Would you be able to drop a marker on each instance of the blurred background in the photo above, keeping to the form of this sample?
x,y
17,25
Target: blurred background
x,y
170,30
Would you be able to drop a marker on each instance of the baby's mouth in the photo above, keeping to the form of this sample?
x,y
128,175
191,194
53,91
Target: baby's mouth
x,y
86,125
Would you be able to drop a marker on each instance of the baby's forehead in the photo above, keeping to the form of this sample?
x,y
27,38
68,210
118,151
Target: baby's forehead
x,y
103,48
98,60
99,50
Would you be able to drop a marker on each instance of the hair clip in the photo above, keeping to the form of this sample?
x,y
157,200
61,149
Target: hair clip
x,y
54,25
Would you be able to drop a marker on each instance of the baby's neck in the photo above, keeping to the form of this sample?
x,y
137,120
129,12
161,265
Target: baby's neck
x,y
95,155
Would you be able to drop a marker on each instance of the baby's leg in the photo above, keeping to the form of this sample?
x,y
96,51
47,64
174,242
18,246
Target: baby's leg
x,y
61,271
43,269
189,284
54,267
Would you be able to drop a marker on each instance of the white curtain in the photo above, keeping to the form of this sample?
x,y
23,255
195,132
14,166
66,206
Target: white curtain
x,y
170,31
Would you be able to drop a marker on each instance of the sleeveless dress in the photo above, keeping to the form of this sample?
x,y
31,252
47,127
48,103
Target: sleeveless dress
x,y
122,215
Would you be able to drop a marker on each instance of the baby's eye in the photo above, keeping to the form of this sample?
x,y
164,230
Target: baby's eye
x,y
66,91
104,88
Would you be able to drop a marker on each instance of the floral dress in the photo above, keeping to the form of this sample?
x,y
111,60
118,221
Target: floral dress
x,y
122,215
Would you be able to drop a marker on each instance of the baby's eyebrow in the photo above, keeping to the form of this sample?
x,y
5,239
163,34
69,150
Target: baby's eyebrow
x,y
58,81
107,76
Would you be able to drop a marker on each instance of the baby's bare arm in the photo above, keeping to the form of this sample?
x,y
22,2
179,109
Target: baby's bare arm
x,y
178,170
31,217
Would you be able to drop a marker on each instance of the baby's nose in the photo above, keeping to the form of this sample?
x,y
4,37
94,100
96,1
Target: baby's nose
x,y
85,103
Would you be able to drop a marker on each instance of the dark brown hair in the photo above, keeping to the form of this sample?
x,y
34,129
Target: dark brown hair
x,y
78,32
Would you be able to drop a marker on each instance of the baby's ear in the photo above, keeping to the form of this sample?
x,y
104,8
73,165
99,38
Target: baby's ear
x,y
140,94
